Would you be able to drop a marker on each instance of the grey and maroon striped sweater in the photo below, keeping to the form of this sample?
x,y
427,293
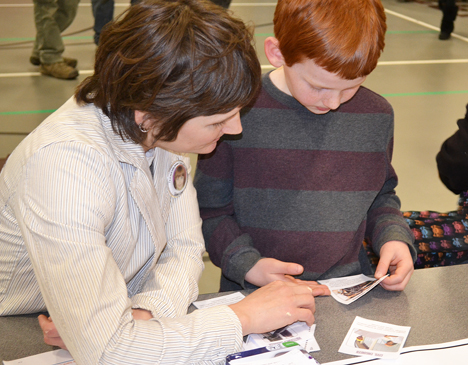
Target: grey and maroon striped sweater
x,y
301,187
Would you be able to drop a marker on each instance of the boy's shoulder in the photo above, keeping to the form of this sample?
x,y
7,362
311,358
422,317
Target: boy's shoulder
x,y
367,101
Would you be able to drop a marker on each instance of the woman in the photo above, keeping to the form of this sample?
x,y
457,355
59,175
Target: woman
x,y
90,229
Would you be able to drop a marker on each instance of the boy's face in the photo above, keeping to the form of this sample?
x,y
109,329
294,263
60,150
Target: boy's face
x,y
317,89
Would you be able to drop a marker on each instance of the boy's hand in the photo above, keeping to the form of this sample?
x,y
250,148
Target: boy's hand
x,y
274,306
268,270
395,257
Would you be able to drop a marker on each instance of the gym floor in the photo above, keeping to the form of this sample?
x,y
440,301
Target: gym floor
x,y
425,79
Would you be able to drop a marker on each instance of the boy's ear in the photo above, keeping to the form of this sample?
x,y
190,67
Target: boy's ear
x,y
273,52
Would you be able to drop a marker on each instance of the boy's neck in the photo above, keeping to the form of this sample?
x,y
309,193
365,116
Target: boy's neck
x,y
278,79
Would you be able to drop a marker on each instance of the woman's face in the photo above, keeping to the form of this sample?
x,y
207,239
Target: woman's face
x,y
200,134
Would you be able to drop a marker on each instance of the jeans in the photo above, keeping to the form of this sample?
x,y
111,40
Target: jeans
x,y
103,12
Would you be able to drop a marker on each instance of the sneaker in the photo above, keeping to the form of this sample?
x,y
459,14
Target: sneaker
x,y
69,61
60,70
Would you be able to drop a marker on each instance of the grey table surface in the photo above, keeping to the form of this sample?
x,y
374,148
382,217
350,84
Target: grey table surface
x,y
433,305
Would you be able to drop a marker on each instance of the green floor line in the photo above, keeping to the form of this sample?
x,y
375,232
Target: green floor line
x,y
16,39
411,31
384,95
29,112
80,37
256,34
388,32
32,38
427,93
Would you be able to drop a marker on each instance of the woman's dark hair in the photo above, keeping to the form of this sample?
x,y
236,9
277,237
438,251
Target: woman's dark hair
x,y
173,60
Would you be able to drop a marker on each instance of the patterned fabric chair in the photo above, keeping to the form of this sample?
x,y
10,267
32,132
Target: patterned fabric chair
x,y
441,239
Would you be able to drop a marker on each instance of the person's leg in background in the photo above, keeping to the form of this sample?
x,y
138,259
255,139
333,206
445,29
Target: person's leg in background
x,y
449,14
224,3
103,12
52,17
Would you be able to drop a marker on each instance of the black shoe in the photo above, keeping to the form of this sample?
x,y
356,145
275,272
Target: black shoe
x,y
443,36
68,61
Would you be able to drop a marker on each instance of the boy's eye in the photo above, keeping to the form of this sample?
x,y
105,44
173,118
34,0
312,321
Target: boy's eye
x,y
316,88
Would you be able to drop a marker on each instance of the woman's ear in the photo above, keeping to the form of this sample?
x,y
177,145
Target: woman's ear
x,y
273,52
139,117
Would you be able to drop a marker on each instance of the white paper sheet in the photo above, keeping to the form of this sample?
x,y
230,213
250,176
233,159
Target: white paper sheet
x,y
293,357
375,339
448,353
56,357
298,332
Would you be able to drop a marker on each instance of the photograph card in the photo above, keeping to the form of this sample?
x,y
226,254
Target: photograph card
x,y
350,288
374,339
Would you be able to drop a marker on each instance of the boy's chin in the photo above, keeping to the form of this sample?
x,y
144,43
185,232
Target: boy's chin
x,y
316,110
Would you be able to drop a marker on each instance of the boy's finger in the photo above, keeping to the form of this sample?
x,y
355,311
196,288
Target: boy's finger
x,y
382,267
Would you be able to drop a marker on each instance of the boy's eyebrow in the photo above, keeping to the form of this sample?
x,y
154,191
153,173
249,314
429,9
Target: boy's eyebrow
x,y
319,86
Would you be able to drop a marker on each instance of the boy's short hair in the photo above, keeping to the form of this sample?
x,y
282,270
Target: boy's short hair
x,y
343,37
174,60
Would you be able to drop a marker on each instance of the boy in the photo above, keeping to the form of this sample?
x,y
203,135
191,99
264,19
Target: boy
x,y
310,178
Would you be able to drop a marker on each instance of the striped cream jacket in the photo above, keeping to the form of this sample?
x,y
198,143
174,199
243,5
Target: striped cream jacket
x,y
87,234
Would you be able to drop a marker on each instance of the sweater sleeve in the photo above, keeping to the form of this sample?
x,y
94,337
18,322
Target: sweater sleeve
x,y
385,221
452,160
229,248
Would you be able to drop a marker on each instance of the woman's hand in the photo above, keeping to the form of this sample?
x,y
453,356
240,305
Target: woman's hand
x,y
51,335
275,305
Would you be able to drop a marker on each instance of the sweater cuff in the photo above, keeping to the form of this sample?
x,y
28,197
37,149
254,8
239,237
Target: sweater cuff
x,y
397,234
239,258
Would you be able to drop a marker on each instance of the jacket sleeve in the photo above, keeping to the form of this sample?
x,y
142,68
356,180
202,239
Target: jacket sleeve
x,y
385,222
85,293
452,160
229,248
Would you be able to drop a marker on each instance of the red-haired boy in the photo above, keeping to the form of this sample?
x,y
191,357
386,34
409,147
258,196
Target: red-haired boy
x,y
310,178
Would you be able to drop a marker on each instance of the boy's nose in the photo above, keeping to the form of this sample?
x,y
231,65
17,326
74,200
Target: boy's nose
x,y
233,126
332,102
